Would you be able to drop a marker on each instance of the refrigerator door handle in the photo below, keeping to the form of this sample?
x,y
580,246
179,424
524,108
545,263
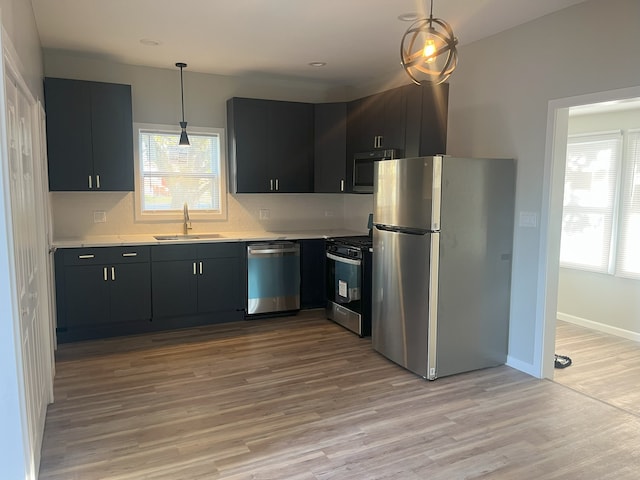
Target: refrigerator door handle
x,y
408,231
434,272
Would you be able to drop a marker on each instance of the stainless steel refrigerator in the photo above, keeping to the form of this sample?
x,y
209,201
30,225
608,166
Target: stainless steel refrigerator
x,y
442,249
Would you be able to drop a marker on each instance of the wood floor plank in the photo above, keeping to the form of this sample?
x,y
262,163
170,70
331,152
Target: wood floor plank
x,y
603,366
300,398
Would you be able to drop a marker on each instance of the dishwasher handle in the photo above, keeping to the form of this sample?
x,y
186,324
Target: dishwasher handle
x,y
273,249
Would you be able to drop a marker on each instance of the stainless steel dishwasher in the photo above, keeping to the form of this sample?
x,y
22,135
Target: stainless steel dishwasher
x,y
273,277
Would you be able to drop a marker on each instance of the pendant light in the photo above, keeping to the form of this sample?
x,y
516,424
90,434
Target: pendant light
x,y
184,140
428,50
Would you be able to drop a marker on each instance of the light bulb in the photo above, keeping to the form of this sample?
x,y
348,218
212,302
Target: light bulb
x,y
429,50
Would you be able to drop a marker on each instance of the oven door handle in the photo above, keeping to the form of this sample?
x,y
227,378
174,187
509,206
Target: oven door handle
x,y
350,261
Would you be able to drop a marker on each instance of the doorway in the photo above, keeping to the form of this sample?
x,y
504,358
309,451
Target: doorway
x,y
551,215
597,306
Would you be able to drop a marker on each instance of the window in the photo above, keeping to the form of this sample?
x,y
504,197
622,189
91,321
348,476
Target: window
x,y
590,201
168,175
628,264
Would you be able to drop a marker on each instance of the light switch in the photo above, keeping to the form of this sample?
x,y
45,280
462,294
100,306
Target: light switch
x,y
265,214
528,219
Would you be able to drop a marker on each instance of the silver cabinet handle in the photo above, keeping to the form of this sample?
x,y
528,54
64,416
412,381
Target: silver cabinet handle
x,y
113,273
97,181
84,257
277,185
271,184
90,183
200,268
131,254
342,185
104,273
194,268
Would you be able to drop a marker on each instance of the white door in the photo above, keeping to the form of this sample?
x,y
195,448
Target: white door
x,y
28,259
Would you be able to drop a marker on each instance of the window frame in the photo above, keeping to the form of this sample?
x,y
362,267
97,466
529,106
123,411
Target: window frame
x,y
177,215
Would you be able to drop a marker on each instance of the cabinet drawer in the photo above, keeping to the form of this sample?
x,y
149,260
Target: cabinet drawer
x,y
86,256
105,255
220,250
165,253
137,254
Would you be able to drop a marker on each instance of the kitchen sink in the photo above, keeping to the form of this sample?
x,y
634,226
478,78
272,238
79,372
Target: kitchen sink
x,y
188,236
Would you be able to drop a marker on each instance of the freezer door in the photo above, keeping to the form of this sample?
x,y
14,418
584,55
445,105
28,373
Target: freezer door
x,y
407,193
405,299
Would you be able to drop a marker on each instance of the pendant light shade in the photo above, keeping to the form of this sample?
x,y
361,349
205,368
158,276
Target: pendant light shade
x,y
428,50
184,139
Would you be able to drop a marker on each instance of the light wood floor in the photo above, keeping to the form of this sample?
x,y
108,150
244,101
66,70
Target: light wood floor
x,y
300,398
605,367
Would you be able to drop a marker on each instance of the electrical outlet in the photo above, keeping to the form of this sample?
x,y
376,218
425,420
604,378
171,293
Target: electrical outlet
x,y
328,213
265,214
99,216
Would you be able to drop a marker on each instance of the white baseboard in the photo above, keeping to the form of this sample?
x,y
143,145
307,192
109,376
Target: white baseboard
x,y
601,327
522,366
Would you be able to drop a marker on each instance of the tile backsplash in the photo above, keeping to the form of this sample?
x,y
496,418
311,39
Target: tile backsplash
x,y
74,214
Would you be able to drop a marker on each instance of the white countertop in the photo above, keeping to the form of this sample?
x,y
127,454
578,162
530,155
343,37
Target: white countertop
x,y
149,239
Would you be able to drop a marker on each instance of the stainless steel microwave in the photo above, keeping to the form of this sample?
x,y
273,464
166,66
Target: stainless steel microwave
x,y
363,168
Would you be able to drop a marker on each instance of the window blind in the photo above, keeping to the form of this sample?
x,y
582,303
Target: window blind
x,y
591,176
628,264
172,175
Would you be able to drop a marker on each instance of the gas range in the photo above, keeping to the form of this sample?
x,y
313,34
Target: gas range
x,y
349,282
350,247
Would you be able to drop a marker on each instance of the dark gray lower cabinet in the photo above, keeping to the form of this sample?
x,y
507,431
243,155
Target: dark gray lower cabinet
x,y
110,291
198,283
312,274
102,291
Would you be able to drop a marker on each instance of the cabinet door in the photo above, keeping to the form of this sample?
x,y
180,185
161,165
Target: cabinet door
x,y
220,286
112,136
291,146
86,295
413,99
130,291
364,124
312,273
393,120
433,138
69,151
247,121
377,121
174,288
330,144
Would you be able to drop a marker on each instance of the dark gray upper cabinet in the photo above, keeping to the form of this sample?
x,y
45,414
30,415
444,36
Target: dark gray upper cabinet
x,y
330,147
433,126
89,135
377,122
270,146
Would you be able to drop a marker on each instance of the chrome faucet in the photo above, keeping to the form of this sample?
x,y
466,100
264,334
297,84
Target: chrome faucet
x,y
187,221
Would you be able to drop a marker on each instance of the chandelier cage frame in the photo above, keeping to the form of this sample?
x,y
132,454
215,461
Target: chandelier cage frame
x,y
413,58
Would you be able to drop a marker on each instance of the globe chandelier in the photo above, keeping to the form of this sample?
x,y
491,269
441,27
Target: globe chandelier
x,y
428,50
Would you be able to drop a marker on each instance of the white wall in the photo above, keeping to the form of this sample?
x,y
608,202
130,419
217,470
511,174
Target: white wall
x,y
156,99
19,24
498,105
596,299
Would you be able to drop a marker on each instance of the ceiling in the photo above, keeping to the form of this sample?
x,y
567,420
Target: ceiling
x,y
358,39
